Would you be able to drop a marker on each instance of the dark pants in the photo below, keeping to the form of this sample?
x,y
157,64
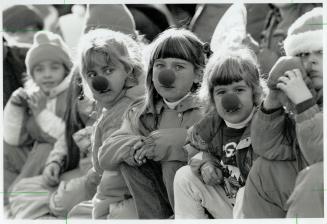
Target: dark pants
x,y
151,186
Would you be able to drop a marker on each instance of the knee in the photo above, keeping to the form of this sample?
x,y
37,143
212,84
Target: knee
x,y
184,175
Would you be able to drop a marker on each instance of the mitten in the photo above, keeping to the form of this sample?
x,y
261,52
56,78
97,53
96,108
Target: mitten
x,y
284,64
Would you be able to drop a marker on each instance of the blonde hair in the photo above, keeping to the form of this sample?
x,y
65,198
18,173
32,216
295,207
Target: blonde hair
x,y
115,47
230,66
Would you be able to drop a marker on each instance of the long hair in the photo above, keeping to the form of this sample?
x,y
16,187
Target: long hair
x,y
226,67
73,121
172,43
115,47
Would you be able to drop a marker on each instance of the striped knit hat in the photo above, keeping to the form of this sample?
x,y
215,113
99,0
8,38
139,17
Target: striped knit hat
x,y
305,34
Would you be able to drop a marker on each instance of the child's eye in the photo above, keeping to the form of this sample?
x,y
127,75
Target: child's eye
x,y
38,69
108,70
239,90
55,67
220,92
90,74
303,55
158,65
179,67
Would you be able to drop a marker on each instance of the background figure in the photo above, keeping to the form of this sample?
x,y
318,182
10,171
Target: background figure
x,y
33,117
278,19
70,157
20,23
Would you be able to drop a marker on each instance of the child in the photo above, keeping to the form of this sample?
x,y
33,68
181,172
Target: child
x,y
289,142
33,117
148,146
112,71
68,158
219,147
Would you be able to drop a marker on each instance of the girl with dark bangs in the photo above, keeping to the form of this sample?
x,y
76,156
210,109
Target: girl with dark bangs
x,y
219,146
148,148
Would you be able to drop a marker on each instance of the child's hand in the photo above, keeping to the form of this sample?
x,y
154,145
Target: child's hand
x,y
293,85
139,155
19,97
51,174
37,102
211,174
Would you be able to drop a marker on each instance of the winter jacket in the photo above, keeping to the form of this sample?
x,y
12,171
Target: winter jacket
x,y
169,137
278,136
23,129
205,141
109,189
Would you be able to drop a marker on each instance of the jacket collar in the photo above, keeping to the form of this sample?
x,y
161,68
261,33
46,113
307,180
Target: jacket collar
x,y
188,103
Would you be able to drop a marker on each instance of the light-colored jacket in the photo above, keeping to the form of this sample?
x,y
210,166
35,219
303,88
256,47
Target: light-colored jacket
x,y
109,189
118,148
21,128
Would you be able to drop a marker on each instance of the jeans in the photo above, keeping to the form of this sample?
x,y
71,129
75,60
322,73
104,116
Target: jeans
x,y
151,186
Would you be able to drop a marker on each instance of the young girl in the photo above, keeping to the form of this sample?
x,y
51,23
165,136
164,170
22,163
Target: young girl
x,y
33,118
112,72
219,146
68,159
148,146
285,179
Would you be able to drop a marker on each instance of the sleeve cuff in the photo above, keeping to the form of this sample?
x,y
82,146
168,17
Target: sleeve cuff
x,y
301,107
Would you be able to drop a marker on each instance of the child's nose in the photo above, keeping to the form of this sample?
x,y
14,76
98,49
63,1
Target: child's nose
x,y
231,102
100,83
166,77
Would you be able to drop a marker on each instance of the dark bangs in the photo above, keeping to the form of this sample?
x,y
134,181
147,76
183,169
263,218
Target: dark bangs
x,y
176,47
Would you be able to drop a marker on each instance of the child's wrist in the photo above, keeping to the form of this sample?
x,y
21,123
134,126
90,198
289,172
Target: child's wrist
x,y
304,105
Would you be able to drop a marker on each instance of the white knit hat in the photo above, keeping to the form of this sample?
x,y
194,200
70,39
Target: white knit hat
x,y
305,34
47,46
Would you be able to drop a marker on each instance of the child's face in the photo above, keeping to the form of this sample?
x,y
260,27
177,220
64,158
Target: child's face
x,y
245,95
48,74
185,76
115,75
313,64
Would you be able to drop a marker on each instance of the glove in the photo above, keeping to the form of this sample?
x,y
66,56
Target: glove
x,y
284,64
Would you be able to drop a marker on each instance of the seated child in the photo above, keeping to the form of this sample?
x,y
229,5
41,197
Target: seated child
x,y
219,146
68,159
33,117
148,148
112,72
290,142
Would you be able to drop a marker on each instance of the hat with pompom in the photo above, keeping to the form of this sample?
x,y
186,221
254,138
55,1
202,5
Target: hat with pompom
x,y
305,34
47,46
115,17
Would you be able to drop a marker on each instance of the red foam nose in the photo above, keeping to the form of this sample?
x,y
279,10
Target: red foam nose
x,y
100,83
166,77
230,102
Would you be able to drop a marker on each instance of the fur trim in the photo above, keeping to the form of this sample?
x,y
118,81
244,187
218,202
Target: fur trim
x,y
50,123
303,42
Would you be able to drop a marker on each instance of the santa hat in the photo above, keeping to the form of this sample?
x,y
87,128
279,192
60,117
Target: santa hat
x,y
47,46
305,34
114,17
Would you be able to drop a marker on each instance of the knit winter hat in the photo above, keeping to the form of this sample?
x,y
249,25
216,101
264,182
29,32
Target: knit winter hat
x,y
19,17
305,34
114,17
47,46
